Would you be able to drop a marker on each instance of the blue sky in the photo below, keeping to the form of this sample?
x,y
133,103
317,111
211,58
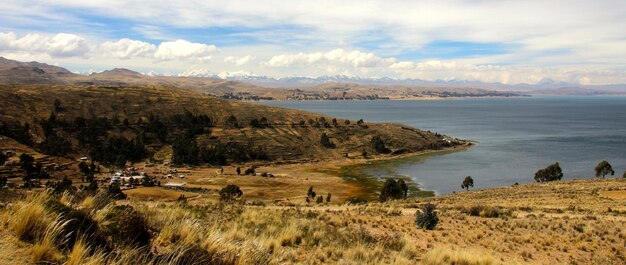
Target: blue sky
x,y
491,41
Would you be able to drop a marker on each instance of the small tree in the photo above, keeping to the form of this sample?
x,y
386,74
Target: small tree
x,y
393,190
328,198
310,193
624,176
551,173
426,218
325,141
604,168
320,199
467,183
230,193
3,158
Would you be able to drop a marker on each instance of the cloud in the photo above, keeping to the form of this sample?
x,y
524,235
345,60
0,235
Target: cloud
x,y
127,48
356,59
182,49
239,61
59,45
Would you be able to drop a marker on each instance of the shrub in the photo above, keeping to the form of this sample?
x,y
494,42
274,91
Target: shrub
x,y
230,193
426,218
551,173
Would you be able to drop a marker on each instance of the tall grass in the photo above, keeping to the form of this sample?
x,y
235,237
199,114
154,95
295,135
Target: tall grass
x,y
447,256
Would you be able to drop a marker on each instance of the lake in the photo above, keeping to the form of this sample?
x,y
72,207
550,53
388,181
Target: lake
x,y
516,136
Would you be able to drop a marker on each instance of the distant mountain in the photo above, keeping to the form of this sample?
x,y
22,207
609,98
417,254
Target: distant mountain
x,y
248,85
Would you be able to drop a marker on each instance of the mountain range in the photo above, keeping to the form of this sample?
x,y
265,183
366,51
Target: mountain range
x,y
247,85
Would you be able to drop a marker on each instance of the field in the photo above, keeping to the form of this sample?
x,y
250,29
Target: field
x,y
568,222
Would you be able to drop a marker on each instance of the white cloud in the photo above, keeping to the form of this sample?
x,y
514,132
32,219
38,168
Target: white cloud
x,y
239,61
356,59
127,48
182,49
59,45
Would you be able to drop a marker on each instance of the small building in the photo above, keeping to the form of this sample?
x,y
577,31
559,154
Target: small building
x,y
174,184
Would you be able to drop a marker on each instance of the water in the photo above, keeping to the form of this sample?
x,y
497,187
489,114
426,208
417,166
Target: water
x,y
516,136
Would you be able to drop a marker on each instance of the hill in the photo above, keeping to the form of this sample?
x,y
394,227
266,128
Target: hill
x,y
158,112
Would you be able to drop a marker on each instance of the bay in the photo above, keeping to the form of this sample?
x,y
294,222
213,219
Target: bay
x,y
515,136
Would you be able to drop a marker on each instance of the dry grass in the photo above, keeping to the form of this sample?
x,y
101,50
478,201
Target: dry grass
x,y
199,231
446,256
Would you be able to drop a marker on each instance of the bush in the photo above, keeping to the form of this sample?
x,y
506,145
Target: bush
x,y
230,193
426,218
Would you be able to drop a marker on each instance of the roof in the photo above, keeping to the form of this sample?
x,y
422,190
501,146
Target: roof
x,y
175,184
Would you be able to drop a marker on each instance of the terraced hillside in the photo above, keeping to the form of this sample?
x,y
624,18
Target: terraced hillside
x,y
288,135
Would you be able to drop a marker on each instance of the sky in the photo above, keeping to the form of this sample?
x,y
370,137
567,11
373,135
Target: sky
x,y
510,42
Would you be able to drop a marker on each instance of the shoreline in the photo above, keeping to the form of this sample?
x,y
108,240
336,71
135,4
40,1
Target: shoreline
x,y
368,185
386,99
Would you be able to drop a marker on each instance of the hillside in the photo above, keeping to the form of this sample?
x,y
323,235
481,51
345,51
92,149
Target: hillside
x,y
569,222
289,135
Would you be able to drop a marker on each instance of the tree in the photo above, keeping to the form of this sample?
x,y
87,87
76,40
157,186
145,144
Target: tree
x,y
238,171
393,190
467,183
325,141
426,218
624,176
26,163
328,198
551,173
378,145
604,168
185,150
320,199
230,193
3,182
311,193
3,158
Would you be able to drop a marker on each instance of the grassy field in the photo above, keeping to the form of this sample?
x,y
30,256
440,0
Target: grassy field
x,y
568,222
